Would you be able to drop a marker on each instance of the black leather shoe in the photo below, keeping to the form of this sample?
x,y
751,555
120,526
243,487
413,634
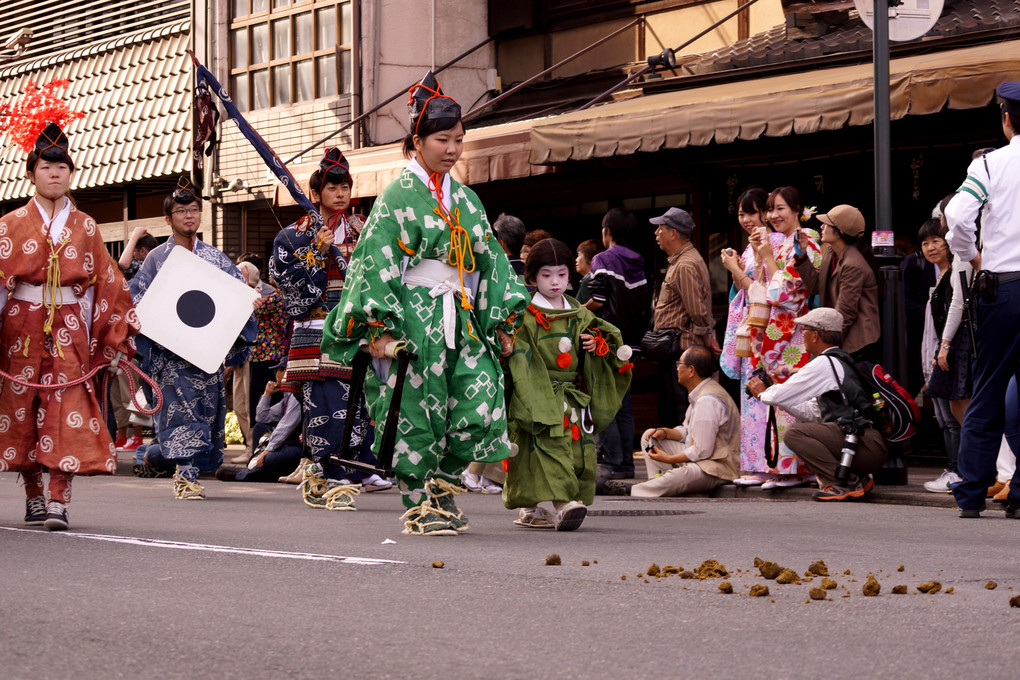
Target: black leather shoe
x,y
970,514
1012,509
614,488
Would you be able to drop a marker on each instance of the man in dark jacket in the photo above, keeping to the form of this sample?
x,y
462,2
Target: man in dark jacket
x,y
620,295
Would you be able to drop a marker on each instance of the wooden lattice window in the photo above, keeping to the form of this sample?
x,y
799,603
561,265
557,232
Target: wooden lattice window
x,y
289,51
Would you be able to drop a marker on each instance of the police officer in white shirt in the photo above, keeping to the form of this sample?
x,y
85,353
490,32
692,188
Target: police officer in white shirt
x,y
991,190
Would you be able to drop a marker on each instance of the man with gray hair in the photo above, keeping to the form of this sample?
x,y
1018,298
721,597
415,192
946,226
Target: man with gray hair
x,y
240,375
684,303
827,396
510,233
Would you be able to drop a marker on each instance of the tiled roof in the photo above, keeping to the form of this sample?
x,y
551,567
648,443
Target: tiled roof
x,y
136,94
848,33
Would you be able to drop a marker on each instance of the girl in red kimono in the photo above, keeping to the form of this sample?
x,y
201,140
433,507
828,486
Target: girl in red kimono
x,y
65,307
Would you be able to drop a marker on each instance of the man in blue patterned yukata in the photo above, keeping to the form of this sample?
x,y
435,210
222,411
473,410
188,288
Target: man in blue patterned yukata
x,y
190,426
310,265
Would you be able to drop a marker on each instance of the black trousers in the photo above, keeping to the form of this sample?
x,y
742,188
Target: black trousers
x,y
673,400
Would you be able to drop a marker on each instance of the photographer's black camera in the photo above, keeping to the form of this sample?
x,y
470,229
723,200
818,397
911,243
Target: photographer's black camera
x,y
761,374
847,454
985,285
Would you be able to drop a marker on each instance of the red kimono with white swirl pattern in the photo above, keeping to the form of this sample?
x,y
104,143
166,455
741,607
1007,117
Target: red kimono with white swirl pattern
x,y
90,320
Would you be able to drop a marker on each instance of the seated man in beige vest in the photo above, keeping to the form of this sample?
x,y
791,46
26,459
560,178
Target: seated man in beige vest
x,y
704,452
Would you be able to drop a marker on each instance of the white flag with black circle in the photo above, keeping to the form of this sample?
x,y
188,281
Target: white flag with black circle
x,y
194,309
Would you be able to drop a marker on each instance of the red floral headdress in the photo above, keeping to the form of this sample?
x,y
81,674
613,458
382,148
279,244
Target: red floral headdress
x,y
25,119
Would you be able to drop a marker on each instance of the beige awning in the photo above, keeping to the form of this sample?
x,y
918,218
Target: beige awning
x,y
492,153
799,103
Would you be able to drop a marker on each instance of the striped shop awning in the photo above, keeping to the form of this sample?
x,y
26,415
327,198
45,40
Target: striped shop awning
x,y
777,106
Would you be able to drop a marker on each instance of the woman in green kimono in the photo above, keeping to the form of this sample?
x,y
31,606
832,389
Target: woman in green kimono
x,y
428,272
562,396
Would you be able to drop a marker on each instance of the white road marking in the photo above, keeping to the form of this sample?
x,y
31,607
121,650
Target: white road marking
x,y
253,552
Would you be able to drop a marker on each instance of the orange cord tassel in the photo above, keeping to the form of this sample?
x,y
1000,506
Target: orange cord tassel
x,y
601,346
540,317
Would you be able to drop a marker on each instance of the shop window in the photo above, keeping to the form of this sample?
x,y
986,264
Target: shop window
x,y
288,51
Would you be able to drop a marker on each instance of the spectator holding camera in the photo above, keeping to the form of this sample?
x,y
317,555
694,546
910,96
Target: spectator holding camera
x,y
741,357
777,348
704,452
827,396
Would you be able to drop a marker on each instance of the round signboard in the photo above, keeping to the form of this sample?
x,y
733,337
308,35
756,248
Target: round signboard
x,y
910,20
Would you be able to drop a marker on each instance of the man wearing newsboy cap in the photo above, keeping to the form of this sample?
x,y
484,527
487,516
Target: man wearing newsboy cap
x,y
827,398
990,192
684,302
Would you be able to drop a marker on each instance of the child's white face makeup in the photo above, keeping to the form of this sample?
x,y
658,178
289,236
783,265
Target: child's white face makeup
x,y
552,281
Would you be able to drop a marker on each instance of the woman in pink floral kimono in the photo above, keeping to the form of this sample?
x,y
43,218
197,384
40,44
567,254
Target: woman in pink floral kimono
x,y
745,269
779,347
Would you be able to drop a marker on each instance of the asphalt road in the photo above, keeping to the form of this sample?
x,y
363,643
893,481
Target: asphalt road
x,y
252,584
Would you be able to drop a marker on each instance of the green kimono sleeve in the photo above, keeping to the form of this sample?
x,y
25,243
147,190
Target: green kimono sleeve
x,y
607,377
371,300
501,298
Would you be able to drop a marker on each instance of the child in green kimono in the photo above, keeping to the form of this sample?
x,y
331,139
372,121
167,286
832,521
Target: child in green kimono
x,y
562,396
429,273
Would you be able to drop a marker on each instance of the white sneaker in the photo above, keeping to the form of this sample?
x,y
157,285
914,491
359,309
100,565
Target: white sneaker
x,y
240,459
570,516
941,484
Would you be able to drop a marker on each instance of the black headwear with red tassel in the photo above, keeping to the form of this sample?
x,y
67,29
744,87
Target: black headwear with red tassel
x,y
186,192
427,102
334,169
52,145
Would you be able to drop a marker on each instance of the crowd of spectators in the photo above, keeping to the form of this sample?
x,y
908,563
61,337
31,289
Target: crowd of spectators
x,y
793,264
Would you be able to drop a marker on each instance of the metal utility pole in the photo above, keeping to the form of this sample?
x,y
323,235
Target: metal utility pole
x,y
894,332
883,170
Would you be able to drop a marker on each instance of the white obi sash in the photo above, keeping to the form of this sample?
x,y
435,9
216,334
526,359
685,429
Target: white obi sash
x,y
442,280
37,295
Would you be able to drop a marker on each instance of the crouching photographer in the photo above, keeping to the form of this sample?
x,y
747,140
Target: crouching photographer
x,y
833,437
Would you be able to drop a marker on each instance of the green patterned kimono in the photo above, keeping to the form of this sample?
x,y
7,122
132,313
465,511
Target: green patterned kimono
x,y
558,405
453,410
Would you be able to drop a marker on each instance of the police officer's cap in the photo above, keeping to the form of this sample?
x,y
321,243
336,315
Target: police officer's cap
x,y
1009,93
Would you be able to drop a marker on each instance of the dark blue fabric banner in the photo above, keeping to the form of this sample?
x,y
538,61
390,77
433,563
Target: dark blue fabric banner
x,y
268,155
